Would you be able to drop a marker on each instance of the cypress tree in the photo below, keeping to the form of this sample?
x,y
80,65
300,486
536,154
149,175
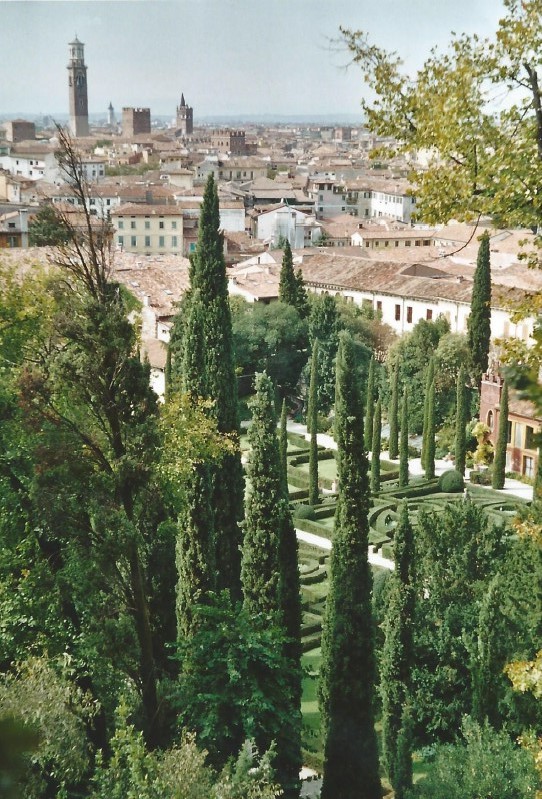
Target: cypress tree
x,y
288,289
270,573
499,461
289,759
461,421
312,424
194,549
313,468
537,488
375,449
324,326
429,377
369,405
430,446
264,506
403,443
486,669
195,555
348,668
394,415
302,301
479,320
398,658
208,277
167,376
283,446
312,399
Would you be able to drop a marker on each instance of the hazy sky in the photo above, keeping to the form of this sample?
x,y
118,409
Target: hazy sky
x,y
227,56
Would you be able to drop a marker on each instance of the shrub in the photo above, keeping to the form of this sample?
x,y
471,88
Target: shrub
x,y
451,482
482,478
302,511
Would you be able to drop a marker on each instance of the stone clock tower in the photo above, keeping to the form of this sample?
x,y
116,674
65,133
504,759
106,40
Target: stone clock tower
x,y
77,83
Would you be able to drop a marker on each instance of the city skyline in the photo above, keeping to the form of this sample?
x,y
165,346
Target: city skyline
x,y
228,57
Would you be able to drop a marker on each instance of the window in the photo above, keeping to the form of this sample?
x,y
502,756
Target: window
x,y
121,224
147,241
132,224
530,442
528,466
408,244
490,420
120,240
518,435
174,224
409,313
509,432
161,240
418,243
379,305
174,241
429,314
133,241
161,224
396,243
147,224
397,313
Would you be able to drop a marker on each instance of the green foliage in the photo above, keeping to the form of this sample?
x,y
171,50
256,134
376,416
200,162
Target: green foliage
x,y
411,353
369,406
461,422
213,344
312,426
375,449
403,441
457,552
369,334
270,577
270,338
48,228
324,326
451,482
56,713
429,435
499,461
485,162
479,320
180,772
302,511
398,657
393,415
429,379
265,506
291,287
484,763
233,681
348,668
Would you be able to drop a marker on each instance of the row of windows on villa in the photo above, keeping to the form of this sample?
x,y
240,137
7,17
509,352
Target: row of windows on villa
x,y
147,241
133,224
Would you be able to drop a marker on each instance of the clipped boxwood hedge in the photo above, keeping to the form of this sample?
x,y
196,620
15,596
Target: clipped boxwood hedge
x,y
451,482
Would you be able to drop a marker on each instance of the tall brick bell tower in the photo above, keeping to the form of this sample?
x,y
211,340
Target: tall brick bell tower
x,y
77,84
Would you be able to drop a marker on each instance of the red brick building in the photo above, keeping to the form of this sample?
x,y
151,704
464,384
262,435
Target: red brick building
x,y
523,425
